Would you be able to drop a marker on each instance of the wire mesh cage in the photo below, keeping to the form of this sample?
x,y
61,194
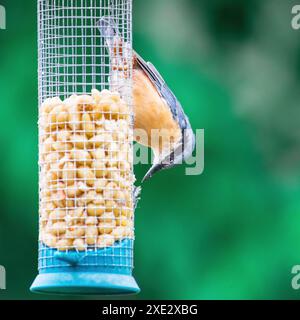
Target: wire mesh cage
x,y
86,177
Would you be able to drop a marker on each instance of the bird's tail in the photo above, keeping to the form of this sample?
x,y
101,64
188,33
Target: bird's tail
x,y
118,54
109,31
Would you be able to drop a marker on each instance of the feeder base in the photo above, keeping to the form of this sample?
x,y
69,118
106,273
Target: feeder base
x,y
85,283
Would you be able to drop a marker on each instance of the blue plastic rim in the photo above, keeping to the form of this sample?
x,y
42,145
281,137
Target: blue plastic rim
x,y
85,283
95,272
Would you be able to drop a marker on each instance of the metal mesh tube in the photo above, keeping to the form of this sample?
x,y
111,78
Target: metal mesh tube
x,y
85,133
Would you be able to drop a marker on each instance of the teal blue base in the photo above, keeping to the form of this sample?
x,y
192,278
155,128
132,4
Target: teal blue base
x,y
85,283
105,271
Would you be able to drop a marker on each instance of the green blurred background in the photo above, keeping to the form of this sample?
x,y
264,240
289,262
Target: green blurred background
x,y
234,231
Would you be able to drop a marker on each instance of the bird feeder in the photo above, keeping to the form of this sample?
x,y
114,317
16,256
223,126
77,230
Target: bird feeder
x,y
86,179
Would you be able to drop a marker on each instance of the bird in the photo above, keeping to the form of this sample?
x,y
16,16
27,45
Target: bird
x,y
157,111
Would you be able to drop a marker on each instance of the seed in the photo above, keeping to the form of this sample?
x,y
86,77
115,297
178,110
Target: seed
x,y
115,96
79,141
69,173
105,228
79,245
107,217
51,177
69,203
75,216
91,235
99,168
81,202
76,231
81,157
113,150
87,125
73,191
86,198
49,207
91,196
55,168
58,116
91,221
101,140
99,200
120,197
123,222
85,100
57,215
100,185
96,95
49,104
64,244
49,239
124,166
62,146
114,175
110,205
59,198
105,240
99,154
87,175
95,210
104,105
47,146
110,126
119,233
58,228
52,157
74,115
109,191
63,136
66,158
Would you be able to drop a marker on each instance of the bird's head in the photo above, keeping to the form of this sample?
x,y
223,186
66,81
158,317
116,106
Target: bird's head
x,y
181,152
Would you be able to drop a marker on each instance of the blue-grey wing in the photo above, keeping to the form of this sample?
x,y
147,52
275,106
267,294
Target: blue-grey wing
x,y
164,91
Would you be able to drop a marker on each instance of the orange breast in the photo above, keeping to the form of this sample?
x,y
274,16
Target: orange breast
x,y
152,112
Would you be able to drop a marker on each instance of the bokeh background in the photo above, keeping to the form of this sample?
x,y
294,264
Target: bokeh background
x,y
234,231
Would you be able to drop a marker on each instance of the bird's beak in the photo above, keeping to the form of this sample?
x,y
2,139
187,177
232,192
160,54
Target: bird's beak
x,y
152,171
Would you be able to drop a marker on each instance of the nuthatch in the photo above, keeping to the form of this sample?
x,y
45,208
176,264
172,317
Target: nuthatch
x,y
157,110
